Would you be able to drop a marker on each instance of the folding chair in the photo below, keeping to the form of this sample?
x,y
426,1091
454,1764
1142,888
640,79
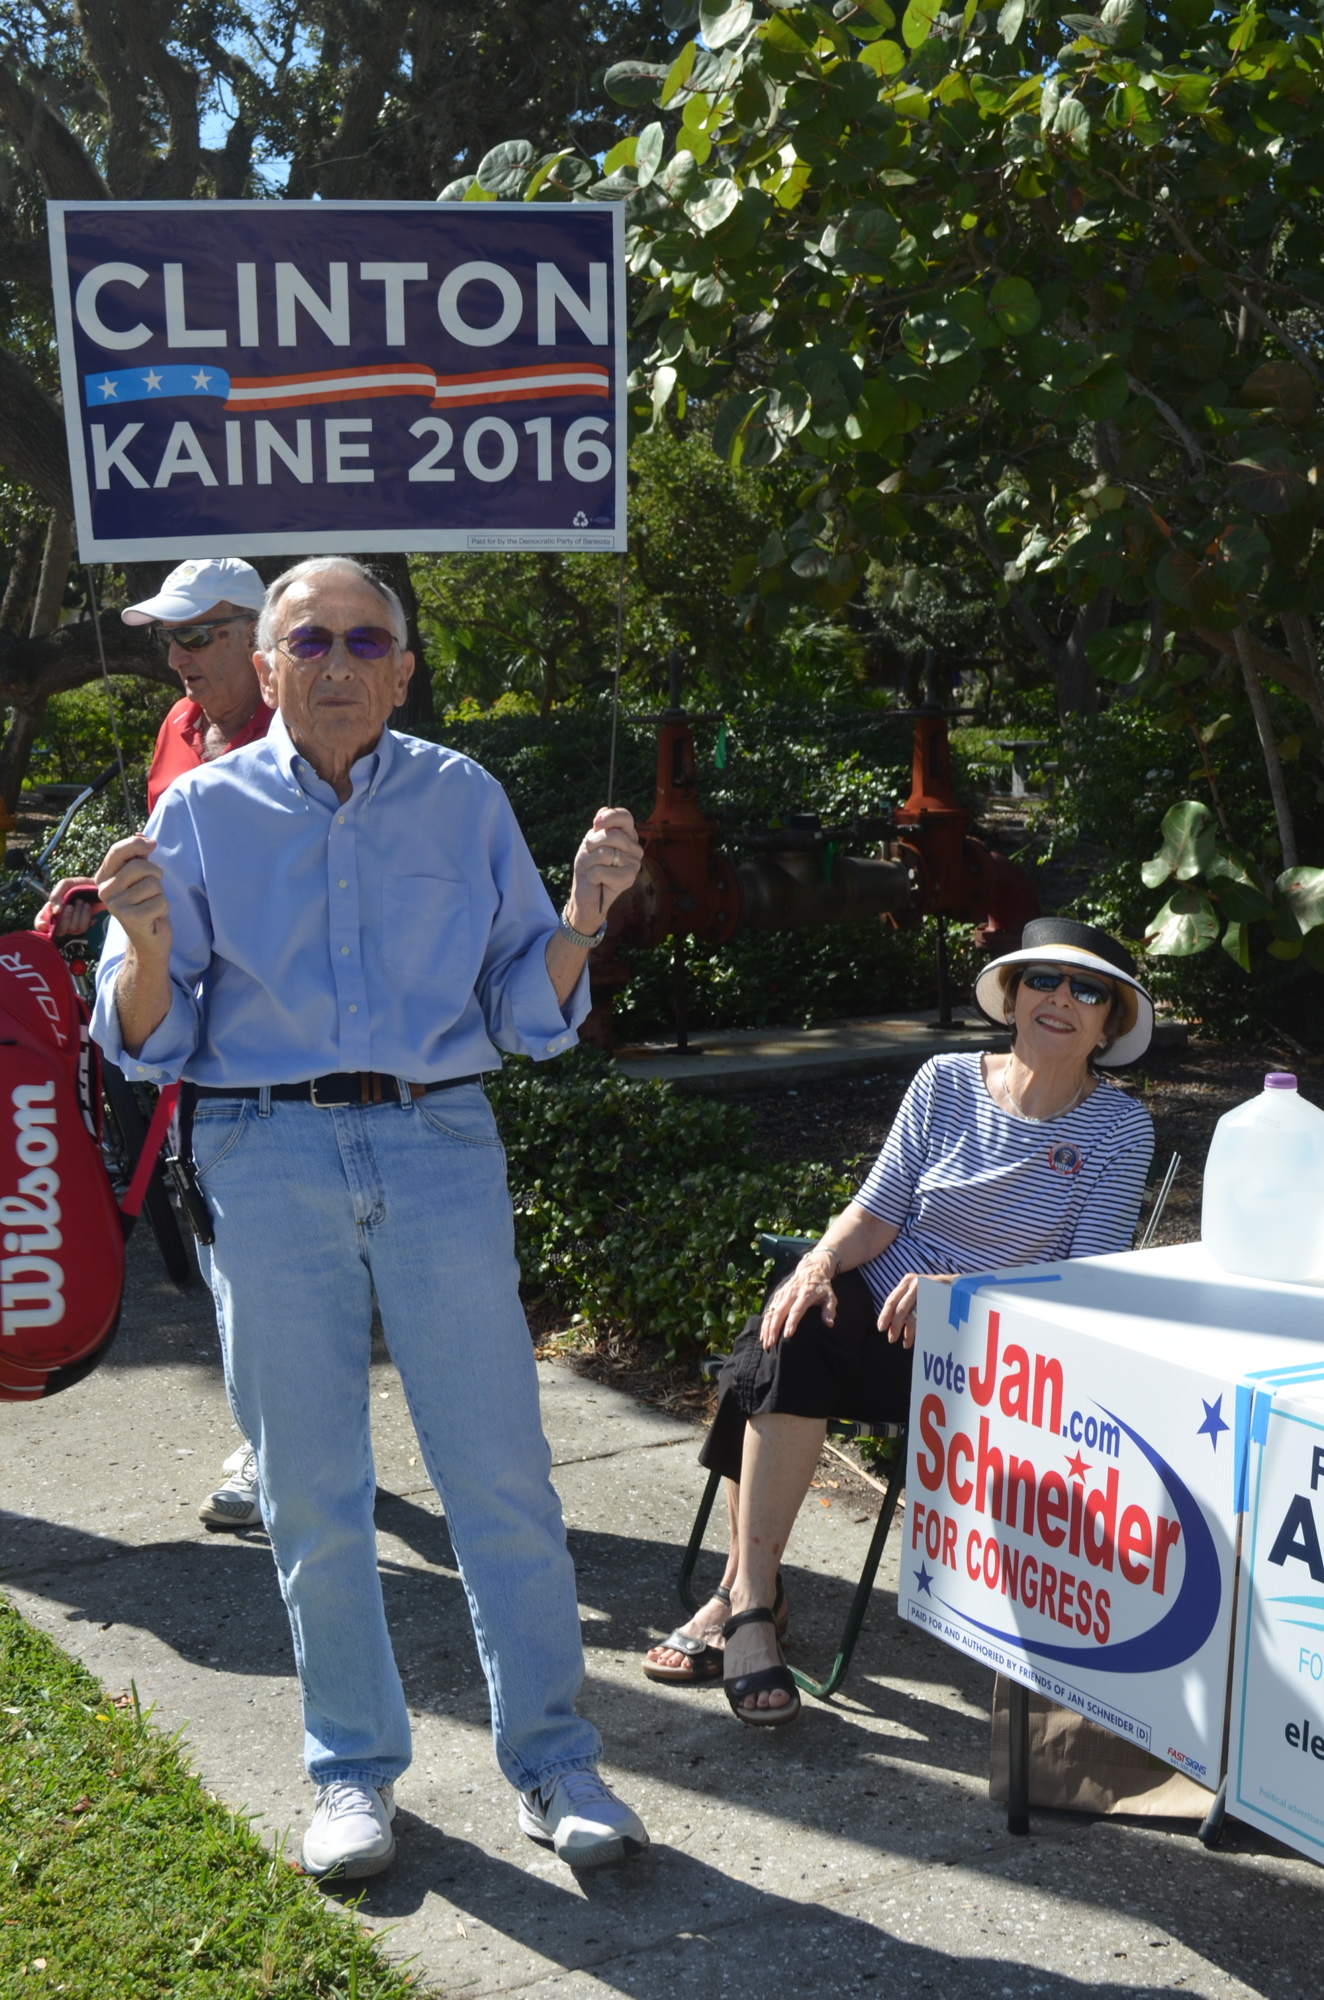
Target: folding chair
x,y
794,1246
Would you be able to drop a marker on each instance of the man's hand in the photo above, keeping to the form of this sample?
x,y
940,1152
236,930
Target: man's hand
x,y
606,865
69,909
130,885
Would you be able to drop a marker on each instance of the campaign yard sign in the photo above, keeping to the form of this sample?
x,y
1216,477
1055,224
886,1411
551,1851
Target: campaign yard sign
x,y
1275,1774
280,377
1079,1435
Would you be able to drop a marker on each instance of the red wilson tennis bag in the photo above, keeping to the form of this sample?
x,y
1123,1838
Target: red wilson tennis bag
x,y
61,1234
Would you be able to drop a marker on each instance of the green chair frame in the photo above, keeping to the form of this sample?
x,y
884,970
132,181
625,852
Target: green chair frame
x,y
777,1247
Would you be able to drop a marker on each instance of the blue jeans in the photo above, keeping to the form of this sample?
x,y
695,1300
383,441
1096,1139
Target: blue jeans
x,y
314,1211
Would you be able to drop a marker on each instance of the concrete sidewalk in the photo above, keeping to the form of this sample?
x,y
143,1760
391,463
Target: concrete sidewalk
x,y
856,1849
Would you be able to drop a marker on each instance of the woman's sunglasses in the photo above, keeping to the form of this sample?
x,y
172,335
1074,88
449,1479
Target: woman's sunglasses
x,y
193,638
314,642
1047,979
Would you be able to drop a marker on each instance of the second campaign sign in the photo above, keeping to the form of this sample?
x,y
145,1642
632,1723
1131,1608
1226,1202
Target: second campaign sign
x,y
283,377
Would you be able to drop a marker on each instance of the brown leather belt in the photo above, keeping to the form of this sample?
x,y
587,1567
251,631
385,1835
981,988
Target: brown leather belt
x,y
355,1086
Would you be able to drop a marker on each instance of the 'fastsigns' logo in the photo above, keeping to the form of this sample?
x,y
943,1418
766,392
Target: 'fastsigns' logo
x,y
31,1284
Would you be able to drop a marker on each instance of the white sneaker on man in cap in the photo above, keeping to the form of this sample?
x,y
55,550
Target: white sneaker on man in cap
x,y
235,1503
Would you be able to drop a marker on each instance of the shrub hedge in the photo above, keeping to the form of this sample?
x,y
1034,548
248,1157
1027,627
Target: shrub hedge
x,y
639,1205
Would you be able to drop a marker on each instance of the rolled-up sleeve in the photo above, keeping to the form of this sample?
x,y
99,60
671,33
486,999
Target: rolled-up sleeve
x,y
167,1049
514,989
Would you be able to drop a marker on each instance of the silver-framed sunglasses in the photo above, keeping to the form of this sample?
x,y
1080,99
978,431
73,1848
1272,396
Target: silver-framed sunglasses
x,y
1047,979
193,638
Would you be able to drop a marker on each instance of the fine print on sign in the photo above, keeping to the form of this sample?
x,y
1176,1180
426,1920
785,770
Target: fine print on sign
x,y
278,377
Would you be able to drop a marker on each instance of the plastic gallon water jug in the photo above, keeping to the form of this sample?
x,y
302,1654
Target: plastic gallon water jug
x,y
1263,1213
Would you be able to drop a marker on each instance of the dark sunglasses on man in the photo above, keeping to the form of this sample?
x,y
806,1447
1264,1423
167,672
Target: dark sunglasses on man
x,y
1047,979
194,638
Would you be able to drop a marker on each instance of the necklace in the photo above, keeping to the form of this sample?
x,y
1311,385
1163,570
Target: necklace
x,y
1027,1116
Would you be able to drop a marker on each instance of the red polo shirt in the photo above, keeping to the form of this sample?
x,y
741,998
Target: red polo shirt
x,y
179,744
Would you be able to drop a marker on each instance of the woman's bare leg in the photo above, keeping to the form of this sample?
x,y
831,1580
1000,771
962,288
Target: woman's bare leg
x,y
709,1619
780,1454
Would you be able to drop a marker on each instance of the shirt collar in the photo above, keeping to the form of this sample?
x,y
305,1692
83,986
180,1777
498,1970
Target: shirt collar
x,y
371,768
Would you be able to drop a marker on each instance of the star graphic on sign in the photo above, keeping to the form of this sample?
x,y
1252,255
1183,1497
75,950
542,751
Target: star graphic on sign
x,y
202,380
1213,1421
1077,1467
924,1580
108,388
152,379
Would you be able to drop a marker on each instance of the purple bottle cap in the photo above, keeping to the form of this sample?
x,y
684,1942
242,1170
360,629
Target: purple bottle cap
x,y
1280,1079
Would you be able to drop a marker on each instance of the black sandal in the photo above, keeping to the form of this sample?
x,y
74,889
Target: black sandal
x,y
779,1677
703,1662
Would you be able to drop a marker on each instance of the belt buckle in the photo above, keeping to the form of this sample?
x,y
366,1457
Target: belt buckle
x,y
313,1098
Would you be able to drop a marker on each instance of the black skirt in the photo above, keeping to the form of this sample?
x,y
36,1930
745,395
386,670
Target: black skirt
x,y
847,1370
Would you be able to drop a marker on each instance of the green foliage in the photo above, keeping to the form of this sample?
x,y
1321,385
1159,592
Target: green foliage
x,y
545,625
1225,890
76,741
638,1205
1111,810
126,1878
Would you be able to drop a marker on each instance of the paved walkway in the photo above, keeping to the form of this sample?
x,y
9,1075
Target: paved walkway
x,y
855,1851
772,1058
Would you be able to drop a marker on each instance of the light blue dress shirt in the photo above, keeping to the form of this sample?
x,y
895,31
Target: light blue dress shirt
x,y
404,931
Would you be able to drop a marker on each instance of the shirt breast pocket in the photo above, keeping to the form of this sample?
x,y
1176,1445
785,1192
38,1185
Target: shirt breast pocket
x,y
425,924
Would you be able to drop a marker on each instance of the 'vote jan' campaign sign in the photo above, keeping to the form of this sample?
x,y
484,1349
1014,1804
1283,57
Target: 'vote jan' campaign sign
x,y
274,377
1079,1438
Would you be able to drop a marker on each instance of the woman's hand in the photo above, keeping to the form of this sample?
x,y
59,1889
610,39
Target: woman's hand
x,y
608,860
897,1318
809,1285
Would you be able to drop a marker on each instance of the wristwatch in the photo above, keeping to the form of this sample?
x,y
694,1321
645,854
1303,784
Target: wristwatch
x,y
584,939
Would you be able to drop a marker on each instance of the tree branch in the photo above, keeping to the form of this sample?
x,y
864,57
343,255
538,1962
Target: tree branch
x,y
1272,762
24,261
58,158
1172,420
32,441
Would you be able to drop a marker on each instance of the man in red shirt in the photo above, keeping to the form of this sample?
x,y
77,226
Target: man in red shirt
x,y
206,615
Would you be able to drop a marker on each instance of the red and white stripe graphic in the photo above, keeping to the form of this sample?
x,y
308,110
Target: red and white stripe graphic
x,y
404,378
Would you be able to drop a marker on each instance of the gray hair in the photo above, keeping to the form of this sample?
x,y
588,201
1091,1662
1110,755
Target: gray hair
x,y
322,566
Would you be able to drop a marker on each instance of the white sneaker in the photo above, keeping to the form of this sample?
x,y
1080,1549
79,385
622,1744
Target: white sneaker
x,y
583,1820
350,1834
235,1503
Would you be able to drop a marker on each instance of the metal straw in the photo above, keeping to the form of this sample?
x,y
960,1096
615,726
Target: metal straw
x,y
110,697
1160,1202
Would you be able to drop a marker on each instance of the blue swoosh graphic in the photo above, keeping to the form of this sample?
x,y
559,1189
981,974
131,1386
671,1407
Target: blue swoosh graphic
x,y
1189,1619
114,386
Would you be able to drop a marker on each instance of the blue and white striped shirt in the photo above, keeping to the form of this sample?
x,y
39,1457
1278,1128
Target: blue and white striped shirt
x,y
970,1188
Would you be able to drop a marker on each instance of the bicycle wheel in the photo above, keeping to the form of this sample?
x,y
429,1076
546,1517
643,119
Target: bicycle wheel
x,y
129,1134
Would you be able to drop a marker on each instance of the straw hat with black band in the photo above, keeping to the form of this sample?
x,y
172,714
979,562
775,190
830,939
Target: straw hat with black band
x,y
1062,941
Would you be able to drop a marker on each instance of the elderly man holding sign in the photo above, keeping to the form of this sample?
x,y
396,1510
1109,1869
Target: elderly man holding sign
x,y
331,934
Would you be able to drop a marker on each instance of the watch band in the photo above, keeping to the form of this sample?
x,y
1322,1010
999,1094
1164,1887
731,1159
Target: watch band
x,y
584,939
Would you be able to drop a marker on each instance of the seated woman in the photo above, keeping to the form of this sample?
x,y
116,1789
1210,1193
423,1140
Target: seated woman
x,y
993,1160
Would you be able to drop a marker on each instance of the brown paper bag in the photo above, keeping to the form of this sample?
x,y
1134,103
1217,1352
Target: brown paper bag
x,y
1078,1767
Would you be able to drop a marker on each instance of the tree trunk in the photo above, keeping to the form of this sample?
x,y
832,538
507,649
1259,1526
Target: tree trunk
x,y
1272,762
1077,686
24,568
416,715
54,575
24,723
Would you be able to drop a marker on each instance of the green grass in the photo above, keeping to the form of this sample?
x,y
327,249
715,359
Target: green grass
x,y
127,1879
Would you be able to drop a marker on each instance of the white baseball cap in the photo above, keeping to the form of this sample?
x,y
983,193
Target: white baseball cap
x,y
194,588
